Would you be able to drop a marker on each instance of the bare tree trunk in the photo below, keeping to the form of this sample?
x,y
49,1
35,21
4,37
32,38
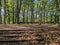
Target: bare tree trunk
x,y
0,12
8,17
40,17
18,11
51,18
27,17
27,14
4,11
32,16
32,11
13,13
47,17
23,16
44,15
59,3
58,9
0,17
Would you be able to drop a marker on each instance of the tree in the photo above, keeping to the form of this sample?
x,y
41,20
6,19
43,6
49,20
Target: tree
x,y
4,11
31,11
0,11
18,11
58,9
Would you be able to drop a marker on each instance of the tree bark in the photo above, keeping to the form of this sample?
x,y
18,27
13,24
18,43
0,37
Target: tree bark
x,y
13,13
18,11
4,11
0,13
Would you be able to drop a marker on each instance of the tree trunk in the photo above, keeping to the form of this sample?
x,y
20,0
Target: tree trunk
x,y
27,16
32,16
18,11
59,3
8,17
44,15
23,16
58,9
4,11
13,13
0,13
0,16
40,17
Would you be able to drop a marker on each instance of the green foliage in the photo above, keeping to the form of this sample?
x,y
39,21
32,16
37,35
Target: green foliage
x,y
29,10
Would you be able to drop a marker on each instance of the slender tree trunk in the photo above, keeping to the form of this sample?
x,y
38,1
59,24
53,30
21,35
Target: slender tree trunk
x,y
40,17
55,19
13,13
44,15
58,9
0,16
0,12
32,16
23,16
18,11
27,17
32,11
59,3
8,17
51,19
4,11
20,7
47,17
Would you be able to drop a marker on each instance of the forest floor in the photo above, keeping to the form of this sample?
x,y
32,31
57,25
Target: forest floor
x,y
26,26
43,33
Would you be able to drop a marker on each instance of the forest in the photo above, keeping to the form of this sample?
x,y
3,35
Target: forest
x,y
29,22
29,11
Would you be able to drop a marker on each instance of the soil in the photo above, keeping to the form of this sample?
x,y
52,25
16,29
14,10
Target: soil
x,y
46,33
27,26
